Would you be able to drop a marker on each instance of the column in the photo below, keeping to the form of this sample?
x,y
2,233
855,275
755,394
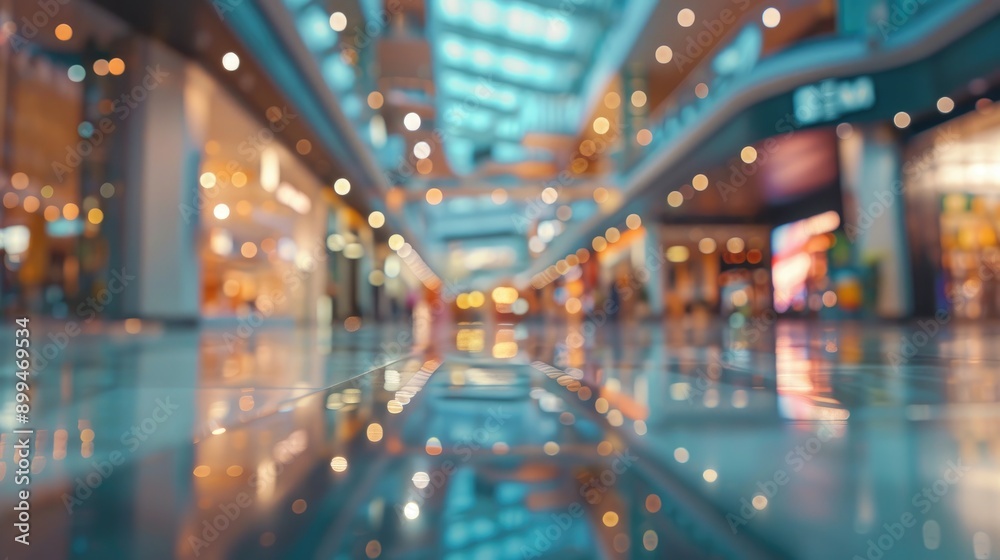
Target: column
x,y
656,267
874,213
165,131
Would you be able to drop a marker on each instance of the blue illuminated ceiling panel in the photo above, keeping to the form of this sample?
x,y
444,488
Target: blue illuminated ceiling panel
x,y
506,68
500,70
312,22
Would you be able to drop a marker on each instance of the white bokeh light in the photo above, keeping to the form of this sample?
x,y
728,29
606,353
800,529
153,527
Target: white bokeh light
x,y
422,150
771,18
230,61
338,21
411,121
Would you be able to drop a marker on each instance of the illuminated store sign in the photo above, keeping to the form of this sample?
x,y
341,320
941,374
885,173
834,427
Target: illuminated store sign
x,y
794,260
64,228
831,99
789,238
742,55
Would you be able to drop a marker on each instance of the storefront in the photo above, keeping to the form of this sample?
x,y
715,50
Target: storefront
x,y
808,276
59,174
717,270
167,176
952,183
263,219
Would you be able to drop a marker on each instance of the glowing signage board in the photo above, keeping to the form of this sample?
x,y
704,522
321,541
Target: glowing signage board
x,y
831,99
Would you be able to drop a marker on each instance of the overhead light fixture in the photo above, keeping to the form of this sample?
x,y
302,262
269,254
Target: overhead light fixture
x,y
422,150
902,119
664,54
686,17
270,170
341,186
771,18
230,61
338,21
411,121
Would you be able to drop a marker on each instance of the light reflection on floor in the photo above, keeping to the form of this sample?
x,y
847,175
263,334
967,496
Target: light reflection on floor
x,y
798,440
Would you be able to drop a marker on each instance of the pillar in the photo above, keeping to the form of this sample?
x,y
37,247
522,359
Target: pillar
x,y
874,213
165,131
656,267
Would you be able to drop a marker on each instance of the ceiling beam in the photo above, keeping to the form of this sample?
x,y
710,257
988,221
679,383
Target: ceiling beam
x,y
564,87
505,43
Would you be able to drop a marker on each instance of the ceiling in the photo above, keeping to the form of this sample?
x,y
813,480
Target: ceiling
x,y
470,107
499,125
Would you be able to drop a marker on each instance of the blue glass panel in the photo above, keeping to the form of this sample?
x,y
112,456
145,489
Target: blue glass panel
x,y
314,26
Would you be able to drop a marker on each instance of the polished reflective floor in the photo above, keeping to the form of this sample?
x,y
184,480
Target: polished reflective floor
x,y
777,440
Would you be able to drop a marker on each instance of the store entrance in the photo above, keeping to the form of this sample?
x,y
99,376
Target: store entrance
x,y
958,189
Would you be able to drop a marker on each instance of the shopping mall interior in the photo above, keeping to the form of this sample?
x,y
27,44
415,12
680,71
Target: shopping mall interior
x,y
500,279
